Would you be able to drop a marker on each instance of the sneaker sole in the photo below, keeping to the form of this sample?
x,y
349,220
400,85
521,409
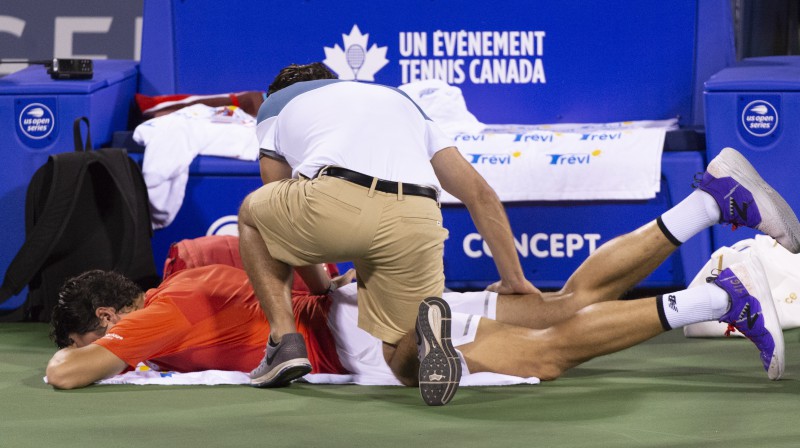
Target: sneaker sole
x,y
771,321
282,374
771,205
440,369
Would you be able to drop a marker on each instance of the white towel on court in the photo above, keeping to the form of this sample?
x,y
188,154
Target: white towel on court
x,y
145,376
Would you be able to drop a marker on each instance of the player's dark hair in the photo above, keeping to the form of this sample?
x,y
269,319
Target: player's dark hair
x,y
298,73
79,298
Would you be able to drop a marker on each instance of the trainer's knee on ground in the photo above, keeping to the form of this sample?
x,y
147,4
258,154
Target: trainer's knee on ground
x,y
402,360
411,381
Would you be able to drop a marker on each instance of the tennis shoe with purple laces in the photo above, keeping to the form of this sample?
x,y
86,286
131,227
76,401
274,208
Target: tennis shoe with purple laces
x,y
753,313
745,199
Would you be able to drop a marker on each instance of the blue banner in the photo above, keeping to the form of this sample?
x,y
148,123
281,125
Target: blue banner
x,y
516,62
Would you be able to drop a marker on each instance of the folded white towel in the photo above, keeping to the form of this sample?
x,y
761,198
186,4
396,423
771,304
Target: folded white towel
x,y
613,161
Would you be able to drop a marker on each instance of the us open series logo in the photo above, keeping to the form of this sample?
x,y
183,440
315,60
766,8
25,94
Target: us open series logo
x,y
36,121
760,118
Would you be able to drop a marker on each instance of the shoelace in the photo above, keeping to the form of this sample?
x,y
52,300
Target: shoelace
x,y
714,274
698,177
731,328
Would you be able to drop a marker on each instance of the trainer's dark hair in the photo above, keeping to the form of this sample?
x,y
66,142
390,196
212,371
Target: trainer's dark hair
x,y
297,73
79,298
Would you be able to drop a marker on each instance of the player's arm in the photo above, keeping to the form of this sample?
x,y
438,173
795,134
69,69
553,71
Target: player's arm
x,y
461,180
319,281
73,367
315,277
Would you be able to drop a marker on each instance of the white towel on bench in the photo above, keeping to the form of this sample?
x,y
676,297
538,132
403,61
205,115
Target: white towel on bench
x,y
613,161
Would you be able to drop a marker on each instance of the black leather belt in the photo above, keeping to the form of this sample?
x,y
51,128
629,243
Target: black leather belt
x,y
382,185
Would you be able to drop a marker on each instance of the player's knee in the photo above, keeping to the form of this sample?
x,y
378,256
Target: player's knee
x,y
549,371
549,364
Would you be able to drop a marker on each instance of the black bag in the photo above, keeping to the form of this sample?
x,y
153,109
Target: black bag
x,y
83,210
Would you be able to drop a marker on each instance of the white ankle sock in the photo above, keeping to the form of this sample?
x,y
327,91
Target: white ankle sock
x,y
697,212
699,304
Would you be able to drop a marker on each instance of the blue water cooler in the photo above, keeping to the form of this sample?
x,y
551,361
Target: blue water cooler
x,y
36,119
754,107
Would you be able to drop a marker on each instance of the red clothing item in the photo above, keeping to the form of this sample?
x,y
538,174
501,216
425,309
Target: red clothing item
x,y
209,318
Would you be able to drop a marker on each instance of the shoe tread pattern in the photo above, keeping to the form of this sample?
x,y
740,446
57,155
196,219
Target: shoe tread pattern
x,y
440,368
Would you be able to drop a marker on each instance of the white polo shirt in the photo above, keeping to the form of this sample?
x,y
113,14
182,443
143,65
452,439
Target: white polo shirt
x,y
373,129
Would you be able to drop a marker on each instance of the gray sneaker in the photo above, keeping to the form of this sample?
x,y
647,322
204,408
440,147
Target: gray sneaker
x,y
282,363
439,364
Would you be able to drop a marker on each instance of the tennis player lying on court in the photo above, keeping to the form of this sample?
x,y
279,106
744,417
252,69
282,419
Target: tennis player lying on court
x,y
208,317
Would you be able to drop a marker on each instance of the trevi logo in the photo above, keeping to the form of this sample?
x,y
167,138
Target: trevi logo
x,y
355,61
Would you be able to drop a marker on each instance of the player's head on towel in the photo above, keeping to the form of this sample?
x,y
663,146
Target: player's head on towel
x,y
90,304
200,318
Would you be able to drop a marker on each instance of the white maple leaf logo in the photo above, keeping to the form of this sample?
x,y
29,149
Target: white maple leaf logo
x,y
355,62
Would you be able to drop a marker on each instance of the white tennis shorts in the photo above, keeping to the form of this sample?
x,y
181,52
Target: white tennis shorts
x,y
362,354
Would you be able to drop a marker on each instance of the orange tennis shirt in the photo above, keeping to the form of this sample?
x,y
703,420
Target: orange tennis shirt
x,y
209,318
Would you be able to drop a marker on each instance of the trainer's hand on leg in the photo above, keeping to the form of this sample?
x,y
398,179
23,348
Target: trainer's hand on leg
x,y
523,287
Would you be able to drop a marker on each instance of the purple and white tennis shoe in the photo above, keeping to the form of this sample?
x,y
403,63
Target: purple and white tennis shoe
x,y
745,199
753,313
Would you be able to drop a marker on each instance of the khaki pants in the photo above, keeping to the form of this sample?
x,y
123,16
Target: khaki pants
x,y
396,243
